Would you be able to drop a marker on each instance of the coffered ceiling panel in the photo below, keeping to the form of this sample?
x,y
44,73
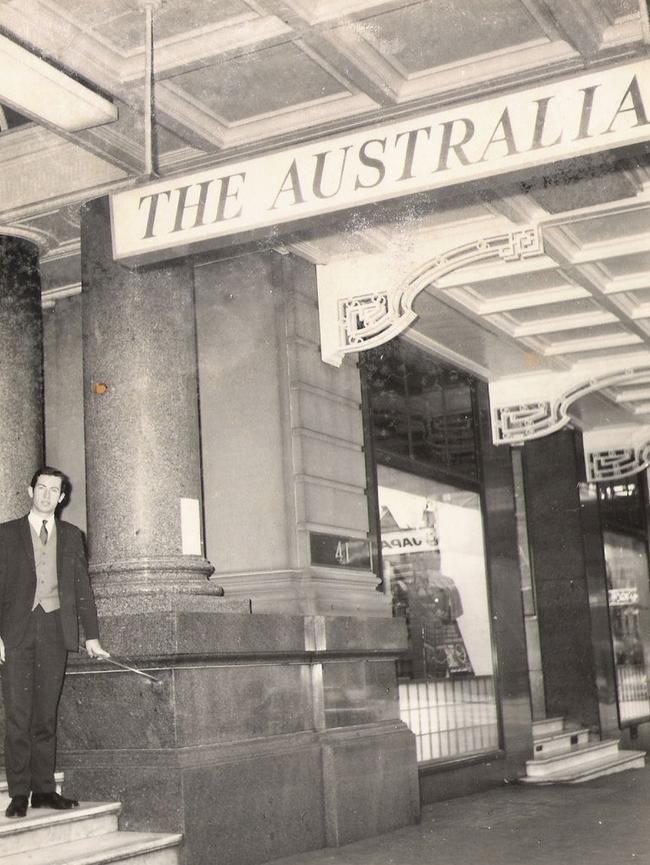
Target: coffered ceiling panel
x,y
641,296
517,285
583,338
617,9
121,25
558,316
596,182
440,32
627,265
89,15
237,89
604,229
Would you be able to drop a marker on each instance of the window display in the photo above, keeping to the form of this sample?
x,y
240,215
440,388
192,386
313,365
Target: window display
x,y
628,596
433,567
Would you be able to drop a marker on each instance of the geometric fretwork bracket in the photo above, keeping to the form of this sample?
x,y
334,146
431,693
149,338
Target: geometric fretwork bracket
x,y
531,406
352,322
614,453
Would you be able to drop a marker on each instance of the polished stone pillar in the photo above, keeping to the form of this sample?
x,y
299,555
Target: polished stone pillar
x,y
556,534
143,467
21,373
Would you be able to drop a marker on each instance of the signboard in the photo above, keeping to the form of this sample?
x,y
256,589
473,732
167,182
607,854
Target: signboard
x,y
339,551
623,597
395,543
570,117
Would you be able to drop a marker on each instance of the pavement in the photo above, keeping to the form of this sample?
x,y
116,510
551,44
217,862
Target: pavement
x,y
601,822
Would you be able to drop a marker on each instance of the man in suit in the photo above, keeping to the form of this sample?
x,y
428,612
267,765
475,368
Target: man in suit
x,y
44,593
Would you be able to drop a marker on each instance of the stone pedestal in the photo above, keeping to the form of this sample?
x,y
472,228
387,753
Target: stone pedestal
x,y
262,736
21,373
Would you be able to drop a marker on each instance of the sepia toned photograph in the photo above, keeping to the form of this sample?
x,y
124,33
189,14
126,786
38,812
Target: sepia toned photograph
x,y
324,432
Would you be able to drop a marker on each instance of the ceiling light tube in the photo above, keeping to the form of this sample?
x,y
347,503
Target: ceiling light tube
x,y
46,94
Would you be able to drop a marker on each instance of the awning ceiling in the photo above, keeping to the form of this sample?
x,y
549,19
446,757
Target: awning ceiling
x,y
236,77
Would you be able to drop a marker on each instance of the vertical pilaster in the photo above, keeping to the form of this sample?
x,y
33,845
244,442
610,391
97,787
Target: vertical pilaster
x,y
21,373
289,462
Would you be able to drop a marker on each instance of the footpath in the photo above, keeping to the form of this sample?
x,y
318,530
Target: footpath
x,y
601,822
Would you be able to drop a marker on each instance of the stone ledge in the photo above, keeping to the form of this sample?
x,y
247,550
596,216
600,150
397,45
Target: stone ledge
x,y
225,632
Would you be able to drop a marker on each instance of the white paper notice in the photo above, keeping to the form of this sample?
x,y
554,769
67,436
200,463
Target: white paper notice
x,y
191,527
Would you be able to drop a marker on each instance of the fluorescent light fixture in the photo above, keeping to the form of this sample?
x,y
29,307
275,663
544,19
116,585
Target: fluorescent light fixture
x,y
47,95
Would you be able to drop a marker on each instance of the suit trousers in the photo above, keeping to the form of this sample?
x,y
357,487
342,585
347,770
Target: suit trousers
x,y
32,679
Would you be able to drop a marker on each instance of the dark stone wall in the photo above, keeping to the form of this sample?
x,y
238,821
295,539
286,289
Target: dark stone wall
x,y
555,529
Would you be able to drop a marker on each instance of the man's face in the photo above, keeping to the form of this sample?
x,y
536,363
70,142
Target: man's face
x,y
46,495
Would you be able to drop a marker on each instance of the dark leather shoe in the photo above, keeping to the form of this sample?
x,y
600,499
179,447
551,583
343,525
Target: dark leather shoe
x,y
17,807
53,800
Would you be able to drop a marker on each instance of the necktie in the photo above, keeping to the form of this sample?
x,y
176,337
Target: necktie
x,y
43,532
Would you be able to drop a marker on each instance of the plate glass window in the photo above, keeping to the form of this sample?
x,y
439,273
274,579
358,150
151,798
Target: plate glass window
x,y
431,549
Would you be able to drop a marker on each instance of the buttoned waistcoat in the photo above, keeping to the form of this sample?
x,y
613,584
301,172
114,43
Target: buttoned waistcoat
x,y
18,583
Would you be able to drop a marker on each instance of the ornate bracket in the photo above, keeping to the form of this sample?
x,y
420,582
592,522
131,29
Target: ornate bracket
x,y
353,322
528,407
616,453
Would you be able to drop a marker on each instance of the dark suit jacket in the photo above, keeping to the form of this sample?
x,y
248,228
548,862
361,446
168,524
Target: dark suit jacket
x,y
18,582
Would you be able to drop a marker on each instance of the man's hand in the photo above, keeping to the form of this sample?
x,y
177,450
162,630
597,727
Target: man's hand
x,y
94,649
2,651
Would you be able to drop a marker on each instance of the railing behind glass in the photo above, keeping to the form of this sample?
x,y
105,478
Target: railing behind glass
x,y
450,717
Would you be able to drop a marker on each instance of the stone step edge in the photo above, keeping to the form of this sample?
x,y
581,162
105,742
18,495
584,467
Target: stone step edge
x,y
593,770
38,818
549,721
127,845
561,734
572,755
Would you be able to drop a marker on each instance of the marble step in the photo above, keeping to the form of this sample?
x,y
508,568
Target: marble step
x,y
619,762
116,848
4,794
43,827
547,726
560,743
581,756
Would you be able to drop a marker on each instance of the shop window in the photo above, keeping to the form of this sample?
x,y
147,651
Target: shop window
x,y
621,504
623,520
433,564
430,543
421,410
628,596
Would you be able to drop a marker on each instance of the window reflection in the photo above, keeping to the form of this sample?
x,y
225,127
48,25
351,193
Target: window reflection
x,y
628,596
433,560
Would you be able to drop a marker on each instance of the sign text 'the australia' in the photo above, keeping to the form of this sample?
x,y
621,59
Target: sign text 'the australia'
x,y
571,117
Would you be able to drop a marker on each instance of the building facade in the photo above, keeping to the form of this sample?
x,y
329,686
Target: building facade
x,y
336,315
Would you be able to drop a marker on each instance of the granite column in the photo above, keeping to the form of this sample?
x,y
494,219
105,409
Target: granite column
x,y
143,470
21,373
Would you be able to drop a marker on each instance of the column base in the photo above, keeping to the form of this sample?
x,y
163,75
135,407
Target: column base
x,y
142,585
311,591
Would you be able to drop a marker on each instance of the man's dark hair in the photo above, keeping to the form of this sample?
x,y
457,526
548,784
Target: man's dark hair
x,y
53,473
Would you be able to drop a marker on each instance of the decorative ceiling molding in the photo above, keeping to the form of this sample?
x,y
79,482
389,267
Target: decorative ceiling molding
x,y
50,296
43,239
